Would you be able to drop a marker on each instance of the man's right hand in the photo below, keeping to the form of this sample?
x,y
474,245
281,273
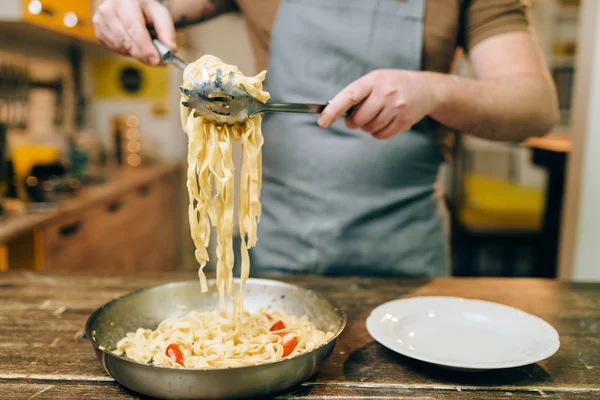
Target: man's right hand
x,y
121,26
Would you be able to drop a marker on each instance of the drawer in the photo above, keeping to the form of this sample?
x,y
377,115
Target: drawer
x,y
68,244
140,213
139,230
134,232
71,17
151,228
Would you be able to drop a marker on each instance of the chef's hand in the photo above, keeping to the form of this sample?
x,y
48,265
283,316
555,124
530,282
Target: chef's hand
x,y
391,101
121,26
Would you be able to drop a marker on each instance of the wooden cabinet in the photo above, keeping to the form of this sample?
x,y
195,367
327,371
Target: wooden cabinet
x,y
66,244
129,223
71,17
133,231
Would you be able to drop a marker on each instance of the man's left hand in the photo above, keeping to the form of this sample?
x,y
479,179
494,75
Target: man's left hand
x,y
390,101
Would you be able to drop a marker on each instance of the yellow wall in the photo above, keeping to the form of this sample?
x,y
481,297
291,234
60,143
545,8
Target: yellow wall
x,y
108,72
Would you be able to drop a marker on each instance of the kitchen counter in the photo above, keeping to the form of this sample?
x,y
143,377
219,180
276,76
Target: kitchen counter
x,y
112,226
88,196
44,355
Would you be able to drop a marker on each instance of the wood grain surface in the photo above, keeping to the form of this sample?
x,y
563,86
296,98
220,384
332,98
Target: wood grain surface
x,y
43,352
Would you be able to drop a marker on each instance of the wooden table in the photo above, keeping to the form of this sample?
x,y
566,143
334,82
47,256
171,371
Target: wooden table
x,y
43,354
551,152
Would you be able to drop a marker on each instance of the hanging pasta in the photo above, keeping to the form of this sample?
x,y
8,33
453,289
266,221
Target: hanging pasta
x,y
210,180
223,338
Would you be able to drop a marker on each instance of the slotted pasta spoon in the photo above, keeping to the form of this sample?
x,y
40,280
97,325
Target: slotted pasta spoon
x,y
222,102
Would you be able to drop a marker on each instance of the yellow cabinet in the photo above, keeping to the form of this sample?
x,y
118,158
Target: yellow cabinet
x,y
71,17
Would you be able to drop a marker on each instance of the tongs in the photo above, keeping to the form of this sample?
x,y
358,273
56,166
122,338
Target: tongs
x,y
222,102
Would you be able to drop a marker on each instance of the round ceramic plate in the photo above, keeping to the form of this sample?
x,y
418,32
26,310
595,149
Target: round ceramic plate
x,y
462,334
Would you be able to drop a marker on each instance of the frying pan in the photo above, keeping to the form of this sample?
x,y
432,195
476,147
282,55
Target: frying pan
x,y
148,307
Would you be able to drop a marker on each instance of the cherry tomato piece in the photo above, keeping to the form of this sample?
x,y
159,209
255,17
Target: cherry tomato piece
x,y
174,353
277,326
289,346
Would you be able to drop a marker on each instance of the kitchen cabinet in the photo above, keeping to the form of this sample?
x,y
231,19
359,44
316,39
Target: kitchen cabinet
x,y
132,231
127,224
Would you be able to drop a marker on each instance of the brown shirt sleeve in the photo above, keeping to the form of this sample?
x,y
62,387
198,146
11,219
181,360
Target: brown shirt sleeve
x,y
486,18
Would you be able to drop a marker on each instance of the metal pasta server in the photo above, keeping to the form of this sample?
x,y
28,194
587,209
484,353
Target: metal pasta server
x,y
222,102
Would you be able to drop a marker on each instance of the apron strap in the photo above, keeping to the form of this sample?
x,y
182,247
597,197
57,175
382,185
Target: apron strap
x,y
462,32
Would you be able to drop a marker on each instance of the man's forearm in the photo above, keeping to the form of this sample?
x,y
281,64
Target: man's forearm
x,y
189,12
510,108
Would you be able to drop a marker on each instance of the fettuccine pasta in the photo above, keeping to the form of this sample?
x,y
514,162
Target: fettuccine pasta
x,y
214,340
210,180
223,338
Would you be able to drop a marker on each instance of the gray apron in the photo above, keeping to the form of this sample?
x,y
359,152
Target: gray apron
x,y
337,201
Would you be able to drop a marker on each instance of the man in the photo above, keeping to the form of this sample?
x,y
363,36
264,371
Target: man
x,y
336,201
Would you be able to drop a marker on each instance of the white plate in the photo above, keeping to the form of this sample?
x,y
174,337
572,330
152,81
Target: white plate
x,y
463,334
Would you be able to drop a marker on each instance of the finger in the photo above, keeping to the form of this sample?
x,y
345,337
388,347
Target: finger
x,y
159,16
133,20
353,94
104,17
122,41
110,32
380,122
393,128
366,112
115,37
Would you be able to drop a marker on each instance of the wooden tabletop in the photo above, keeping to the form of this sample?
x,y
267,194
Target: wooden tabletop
x,y
43,353
118,183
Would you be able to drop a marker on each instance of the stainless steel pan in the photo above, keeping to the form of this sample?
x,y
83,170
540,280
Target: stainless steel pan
x,y
147,307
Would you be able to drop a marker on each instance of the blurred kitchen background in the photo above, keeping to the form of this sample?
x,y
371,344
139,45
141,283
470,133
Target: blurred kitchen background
x,y
92,154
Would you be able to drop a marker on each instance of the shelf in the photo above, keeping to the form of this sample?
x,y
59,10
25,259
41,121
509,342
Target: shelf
x,y
562,62
49,21
22,31
567,13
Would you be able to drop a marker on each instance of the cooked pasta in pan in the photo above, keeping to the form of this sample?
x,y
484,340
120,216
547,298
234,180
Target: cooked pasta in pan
x,y
223,338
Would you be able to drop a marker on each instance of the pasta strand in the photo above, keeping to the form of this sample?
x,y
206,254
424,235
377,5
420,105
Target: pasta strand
x,y
223,338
